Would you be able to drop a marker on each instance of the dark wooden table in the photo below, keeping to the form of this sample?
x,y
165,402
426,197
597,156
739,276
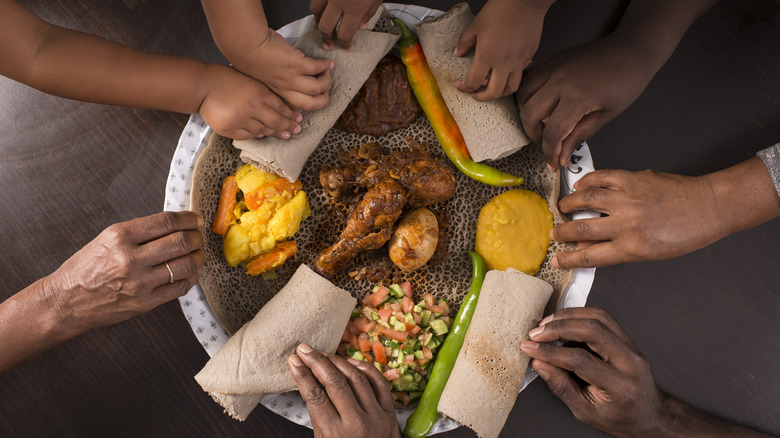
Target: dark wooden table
x,y
707,321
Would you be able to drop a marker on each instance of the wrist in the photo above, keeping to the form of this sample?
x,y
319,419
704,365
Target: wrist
x,y
56,316
239,51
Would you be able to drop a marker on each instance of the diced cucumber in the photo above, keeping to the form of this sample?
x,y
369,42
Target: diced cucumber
x,y
374,316
358,355
378,366
415,395
351,351
355,312
417,377
392,320
412,342
439,327
401,327
409,349
426,317
419,354
417,309
396,291
376,288
408,318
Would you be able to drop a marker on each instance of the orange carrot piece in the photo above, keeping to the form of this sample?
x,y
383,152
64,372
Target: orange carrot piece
x,y
227,203
273,258
263,193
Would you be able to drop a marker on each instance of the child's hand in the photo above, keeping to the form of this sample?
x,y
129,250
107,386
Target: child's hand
x,y
567,97
302,82
354,15
239,107
504,36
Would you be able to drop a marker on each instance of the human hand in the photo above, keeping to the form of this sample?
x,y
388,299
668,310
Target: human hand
x,y
504,36
354,14
620,396
301,81
345,398
566,98
241,108
652,216
123,272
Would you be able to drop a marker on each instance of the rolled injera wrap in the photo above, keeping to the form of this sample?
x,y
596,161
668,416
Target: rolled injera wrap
x,y
253,362
490,367
286,158
492,129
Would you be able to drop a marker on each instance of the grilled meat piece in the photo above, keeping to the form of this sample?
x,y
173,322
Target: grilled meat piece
x,y
370,225
384,103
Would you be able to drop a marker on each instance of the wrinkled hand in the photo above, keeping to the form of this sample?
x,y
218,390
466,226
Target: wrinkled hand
x,y
504,36
354,14
122,272
345,399
620,396
301,81
239,107
566,98
652,216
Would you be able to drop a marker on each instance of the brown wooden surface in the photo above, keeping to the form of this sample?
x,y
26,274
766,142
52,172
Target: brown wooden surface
x,y
707,321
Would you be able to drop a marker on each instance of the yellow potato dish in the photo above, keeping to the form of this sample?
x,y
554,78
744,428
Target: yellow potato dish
x,y
264,213
513,231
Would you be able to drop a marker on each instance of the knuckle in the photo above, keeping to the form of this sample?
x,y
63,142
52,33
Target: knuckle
x,y
337,381
170,221
189,266
360,380
180,243
180,288
315,396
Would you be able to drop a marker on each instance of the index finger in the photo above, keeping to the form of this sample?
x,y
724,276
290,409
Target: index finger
x,y
593,332
320,408
145,229
590,313
335,382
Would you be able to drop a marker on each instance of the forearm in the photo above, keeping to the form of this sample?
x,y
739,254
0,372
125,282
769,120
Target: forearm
x,y
84,67
238,26
744,196
657,26
682,420
30,323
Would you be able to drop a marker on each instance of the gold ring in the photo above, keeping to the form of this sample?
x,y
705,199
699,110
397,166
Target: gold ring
x,y
170,273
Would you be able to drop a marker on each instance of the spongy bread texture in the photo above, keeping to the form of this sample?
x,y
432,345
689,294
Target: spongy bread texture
x,y
235,297
490,367
478,121
287,157
308,309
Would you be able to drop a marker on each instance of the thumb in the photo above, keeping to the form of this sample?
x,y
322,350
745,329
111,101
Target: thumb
x,y
467,41
561,385
587,127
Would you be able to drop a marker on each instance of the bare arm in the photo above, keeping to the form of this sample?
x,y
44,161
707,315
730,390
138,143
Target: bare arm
x,y
619,396
120,274
84,67
567,97
656,216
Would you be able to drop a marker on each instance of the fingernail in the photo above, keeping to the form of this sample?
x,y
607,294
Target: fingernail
x,y
325,46
549,167
536,332
200,221
546,319
576,185
305,349
550,235
299,119
286,135
332,65
353,361
363,25
543,374
297,129
554,261
260,136
295,360
528,345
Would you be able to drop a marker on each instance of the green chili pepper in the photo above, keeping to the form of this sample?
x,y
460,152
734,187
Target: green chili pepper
x,y
447,132
422,419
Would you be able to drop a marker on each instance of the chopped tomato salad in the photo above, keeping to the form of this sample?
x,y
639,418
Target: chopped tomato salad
x,y
400,337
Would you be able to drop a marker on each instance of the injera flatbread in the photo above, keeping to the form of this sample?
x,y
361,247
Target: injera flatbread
x,y
490,368
235,297
491,129
253,362
287,157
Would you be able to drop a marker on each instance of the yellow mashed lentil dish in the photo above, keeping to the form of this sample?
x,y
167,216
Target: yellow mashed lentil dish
x,y
513,231
258,212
